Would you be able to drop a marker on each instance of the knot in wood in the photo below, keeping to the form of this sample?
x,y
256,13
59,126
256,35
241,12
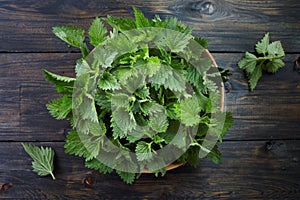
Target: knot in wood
x,y
204,7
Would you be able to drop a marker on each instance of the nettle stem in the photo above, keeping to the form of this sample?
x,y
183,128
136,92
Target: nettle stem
x,y
269,58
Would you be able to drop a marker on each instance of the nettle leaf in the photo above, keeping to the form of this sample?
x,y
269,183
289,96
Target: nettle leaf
x,y
42,159
97,165
254,77
126,176
97,32
82,145
173,40
120,100
62,84
121,24
262,46
103,57
169,78
108,81
275,49
158,120
124,119
202,41
117,131
248,63
70,34
121,44
61,107
274,65
140,20
143,151
103,99
215,155
142,92
269,58
189,111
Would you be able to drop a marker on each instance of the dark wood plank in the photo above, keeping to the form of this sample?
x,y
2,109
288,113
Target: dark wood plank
x,y
24,93
270,112
229,24
10,108
262,169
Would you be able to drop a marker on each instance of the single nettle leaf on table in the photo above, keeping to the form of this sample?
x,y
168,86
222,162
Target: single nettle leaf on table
x,y
97,32
268,58
42,159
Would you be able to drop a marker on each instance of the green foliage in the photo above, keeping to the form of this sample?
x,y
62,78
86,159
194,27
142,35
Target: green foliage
x,y
42,157
61,107
62,84
139,91
97,32
268,58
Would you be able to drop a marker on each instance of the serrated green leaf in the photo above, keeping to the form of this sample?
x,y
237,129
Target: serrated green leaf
x,y
97,165
274,65
120,100
227,124
61,107
117,131
143,151
126,176
173,40
169,78
42,159
140,20
70,34
254,77
121,24
142,92
202,41
103,99
262,46
189,111
107,81
248,63
97,32
215,155
275,49
103,57
62,84
82,145
123,119
158,120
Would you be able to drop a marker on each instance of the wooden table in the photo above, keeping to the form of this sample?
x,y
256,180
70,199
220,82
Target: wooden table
x,y
261,153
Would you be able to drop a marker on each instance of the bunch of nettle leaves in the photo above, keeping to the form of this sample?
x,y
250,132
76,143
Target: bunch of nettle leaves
x,y
136,97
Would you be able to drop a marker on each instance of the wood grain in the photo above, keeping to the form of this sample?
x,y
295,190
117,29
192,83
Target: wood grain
x,y
237,177
230,25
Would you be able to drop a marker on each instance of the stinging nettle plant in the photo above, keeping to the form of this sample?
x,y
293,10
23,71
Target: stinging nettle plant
x,y
137,93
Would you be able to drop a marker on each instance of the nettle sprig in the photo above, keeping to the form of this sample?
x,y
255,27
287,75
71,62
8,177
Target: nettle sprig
x,y
137,96
268,57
